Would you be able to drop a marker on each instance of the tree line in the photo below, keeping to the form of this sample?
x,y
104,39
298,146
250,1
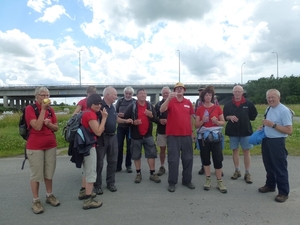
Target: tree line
x,y
289,88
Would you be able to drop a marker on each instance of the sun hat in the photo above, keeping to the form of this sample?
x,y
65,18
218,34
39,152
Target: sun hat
x,y
179,84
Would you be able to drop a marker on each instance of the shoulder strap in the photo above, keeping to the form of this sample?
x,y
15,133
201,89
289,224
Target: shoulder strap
x,y
119,103
265,116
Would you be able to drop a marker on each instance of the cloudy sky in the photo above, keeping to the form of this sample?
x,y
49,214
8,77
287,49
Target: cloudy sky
x,y
137,41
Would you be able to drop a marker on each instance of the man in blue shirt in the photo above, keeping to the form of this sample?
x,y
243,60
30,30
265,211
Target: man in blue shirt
x,y
278,125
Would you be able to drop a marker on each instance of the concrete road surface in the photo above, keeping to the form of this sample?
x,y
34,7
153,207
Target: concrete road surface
x,y
149,203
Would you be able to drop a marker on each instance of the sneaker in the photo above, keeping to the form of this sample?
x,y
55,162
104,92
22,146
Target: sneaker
x,y
207,184
201,172
248,179
98,190
91,203
52,200
161,171
154,178
37,207
82,195
236,175
111,187
281,198
138,178
171,188
221,186
265,189
128,169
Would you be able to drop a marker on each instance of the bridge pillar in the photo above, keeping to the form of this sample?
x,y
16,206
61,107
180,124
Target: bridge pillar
x,y
5,101
18,103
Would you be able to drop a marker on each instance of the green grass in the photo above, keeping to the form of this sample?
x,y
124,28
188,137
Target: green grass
x,y
12,144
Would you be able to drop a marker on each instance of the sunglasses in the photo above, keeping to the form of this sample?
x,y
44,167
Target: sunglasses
x,y
98,103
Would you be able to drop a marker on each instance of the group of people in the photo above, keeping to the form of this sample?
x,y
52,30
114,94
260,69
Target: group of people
x,y
176,119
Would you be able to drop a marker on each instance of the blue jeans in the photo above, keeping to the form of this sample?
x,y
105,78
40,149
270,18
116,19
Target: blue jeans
x,y
122,133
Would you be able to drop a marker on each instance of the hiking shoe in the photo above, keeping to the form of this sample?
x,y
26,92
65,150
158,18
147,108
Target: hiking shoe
x,y
98,190
236,175
221,186
247,178
154,178
189,185
161,171
128,169
37,207
138,178
207,184
281,198
201,171
52,200
171,188
82,195
265,189
91,203
111,187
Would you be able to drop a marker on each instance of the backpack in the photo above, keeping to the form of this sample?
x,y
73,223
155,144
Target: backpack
x,y
72,126
23,129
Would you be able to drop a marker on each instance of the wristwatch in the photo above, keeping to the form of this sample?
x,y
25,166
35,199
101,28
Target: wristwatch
x,y
274,125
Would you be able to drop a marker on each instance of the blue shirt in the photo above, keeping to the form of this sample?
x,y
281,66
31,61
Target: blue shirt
x,y
281,115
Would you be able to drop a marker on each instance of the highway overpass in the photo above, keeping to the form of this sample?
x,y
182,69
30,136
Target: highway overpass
x,y
20,96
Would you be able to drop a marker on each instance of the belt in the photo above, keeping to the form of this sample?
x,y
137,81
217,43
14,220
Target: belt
x,y
109,134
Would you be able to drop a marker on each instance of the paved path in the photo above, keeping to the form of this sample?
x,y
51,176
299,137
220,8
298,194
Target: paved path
x,y
149,203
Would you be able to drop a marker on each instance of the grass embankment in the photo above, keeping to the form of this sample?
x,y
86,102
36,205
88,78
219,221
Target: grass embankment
x,y
12,144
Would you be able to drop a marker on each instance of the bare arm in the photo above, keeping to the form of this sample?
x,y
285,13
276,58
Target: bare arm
x,y
283,129
77,110
120,120
97,128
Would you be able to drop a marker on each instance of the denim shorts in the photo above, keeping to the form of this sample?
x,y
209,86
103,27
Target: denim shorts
x,y
242,141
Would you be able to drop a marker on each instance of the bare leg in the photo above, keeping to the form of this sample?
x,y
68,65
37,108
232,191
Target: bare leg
x,y
247,159
35,188
162,155
48,184
137,164
151,163
235,157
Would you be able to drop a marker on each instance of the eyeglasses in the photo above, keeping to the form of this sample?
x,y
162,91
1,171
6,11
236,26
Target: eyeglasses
x,y
98,103
44,95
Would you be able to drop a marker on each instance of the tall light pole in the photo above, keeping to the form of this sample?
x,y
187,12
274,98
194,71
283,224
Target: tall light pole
x,y
79,63
277,62
242,72
179,64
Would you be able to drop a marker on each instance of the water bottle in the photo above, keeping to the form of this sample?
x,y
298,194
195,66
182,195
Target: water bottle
x,y
206,114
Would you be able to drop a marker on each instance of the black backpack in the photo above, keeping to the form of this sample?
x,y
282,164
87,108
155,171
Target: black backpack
x,y
23,129
72,126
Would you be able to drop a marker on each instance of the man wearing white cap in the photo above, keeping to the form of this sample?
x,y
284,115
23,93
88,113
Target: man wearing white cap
x,y
179,136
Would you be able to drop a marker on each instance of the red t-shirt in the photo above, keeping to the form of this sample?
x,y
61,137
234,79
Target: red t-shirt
x,y
83,104
43,139
86,117
179,117
143,128
214,110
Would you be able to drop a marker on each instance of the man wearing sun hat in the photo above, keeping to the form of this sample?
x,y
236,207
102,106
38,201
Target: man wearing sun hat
x,y
179,136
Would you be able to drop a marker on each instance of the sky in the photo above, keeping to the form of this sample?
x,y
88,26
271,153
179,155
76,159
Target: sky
x,y
43,42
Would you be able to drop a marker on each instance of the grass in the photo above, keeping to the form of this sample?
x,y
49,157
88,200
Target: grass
x,y
12,144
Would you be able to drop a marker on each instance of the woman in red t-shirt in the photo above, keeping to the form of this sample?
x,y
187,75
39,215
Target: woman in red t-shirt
x,y
89,120
41,147
209,118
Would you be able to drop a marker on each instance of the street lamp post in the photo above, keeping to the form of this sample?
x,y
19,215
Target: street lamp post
x,y
179,64
79,63
277,62
242,72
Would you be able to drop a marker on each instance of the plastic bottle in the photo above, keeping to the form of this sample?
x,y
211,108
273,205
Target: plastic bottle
x,y
206,114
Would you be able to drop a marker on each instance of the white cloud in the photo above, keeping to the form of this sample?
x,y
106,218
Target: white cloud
x,y
53,13
38,5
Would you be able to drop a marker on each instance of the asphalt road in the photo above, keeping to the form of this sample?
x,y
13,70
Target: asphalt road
x,y
149,203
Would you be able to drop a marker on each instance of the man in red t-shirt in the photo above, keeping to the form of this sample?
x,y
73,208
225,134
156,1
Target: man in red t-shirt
x,y
82,104
179,136
143,114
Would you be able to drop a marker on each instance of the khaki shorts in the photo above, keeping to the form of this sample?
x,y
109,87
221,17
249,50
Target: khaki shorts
x,y
89,166
42,164
161,140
